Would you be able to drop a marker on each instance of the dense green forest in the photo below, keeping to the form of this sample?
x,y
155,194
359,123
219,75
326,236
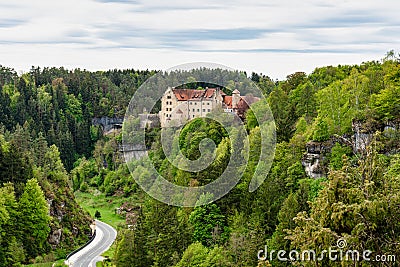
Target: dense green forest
x,y
353,195
45,127
50,149
61,104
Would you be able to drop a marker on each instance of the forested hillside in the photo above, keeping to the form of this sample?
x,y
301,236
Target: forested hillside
x,y
45,127
39,217
61,104
336,171
347,117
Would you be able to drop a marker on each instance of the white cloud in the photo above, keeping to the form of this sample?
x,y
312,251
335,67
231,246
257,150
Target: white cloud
x,y
251,35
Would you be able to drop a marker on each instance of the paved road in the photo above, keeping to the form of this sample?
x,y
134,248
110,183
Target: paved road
x,y
88,256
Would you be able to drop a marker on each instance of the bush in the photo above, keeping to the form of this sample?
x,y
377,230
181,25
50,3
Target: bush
x,y
336,156
321,132
84,187
97,214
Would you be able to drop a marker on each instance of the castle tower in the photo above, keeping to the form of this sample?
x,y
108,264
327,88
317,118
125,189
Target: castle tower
x,y
235,98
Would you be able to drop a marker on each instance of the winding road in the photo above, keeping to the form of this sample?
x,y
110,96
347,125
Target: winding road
x,y
89,255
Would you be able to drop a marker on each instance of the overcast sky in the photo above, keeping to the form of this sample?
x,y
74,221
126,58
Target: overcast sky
x,y
276,37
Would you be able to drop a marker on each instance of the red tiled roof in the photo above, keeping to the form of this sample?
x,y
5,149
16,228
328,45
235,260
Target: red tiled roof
x,y
246,101
209,92
183,94
192,94
228,101
242,105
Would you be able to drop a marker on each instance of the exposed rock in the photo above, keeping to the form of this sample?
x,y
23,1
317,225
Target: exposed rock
x,y
312,166
362,136
132,151
363,133
126,206
108,123
149,121
75,231
69,223
56,210
313,160
130,211
55,237
131,218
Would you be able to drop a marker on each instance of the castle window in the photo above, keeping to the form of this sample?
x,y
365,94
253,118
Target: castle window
x,y
208,103
169,97
204,110
198,110
208,110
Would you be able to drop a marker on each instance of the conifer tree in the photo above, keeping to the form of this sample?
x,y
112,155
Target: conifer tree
x,y
34,218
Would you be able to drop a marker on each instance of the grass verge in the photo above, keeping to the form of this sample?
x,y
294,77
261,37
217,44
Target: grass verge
x,y
94,200
105,205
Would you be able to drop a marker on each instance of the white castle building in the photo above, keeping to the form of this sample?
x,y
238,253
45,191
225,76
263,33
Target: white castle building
x,y
181,105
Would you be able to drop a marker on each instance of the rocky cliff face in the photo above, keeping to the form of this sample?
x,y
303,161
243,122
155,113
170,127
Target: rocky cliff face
x,y
70,225
362,136
314,160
